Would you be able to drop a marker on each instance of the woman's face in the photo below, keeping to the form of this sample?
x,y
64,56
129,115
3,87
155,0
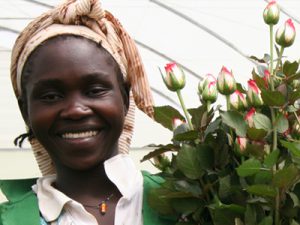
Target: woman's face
x,y
74,104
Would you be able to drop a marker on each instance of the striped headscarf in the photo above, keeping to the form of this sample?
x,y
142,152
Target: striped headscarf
x,y
88,19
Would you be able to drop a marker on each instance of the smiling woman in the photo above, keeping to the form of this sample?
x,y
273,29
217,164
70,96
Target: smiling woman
x,y
84,115
75,72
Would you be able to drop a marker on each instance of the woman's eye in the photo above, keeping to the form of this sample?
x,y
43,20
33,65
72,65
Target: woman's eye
x,y
96,91
51,97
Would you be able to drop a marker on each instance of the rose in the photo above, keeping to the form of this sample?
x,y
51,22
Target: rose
x,y
285,35
241,144
226,83
174,77
176,122
271,13
266,78
206,80
238,101
210,92
249,117
254,94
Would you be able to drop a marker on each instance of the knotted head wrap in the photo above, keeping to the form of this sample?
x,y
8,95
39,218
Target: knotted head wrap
x,y
85,18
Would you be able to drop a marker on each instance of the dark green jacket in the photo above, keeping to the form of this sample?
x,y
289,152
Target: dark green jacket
x,y
22,206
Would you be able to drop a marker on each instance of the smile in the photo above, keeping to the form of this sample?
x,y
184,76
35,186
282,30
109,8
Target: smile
x,y
75,135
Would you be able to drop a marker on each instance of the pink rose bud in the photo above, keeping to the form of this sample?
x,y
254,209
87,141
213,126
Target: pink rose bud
x,y
266,78
237,101
249,117
271,13
174,77
241,143
206,80
176,122
254,94
285,35
210,92
226,83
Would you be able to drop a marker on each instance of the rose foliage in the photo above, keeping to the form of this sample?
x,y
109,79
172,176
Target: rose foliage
x,y
240,165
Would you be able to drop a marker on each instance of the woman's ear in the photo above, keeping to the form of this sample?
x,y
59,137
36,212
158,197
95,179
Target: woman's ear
x,y
23,108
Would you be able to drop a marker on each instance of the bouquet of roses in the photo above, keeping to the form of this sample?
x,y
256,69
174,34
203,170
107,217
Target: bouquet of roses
x,y
240,165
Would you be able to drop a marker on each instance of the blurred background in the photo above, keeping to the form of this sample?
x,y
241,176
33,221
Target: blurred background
x,y
201,35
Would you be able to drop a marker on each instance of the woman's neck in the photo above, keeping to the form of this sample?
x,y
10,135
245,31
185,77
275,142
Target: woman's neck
x,y
87,187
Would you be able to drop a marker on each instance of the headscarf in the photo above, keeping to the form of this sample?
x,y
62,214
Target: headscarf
x,y
88,19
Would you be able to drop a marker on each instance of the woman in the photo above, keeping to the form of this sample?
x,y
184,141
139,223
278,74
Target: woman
x,y
75,71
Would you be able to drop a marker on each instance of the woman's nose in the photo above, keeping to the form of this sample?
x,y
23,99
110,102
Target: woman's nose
x,y
75,109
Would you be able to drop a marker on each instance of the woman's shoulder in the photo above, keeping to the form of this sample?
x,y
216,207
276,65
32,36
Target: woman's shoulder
x,y
21,202
15,190
150,216
151,180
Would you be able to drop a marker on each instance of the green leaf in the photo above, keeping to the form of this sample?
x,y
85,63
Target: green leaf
x,y
294,198
236,121
188,161
250,215
293,77
222,217
233,208
177,194
165,114
294,148
256,134
272,158
213,126
261,121
249,168
290,68
256,150
186,206
188,187
282,124
262,190
159,151
198,215
240,88
223,214
286,177
158,202
257,59
259,80
206,156
186,136
200,116
185,223
263,177
294,96
273,98
267,221
225,187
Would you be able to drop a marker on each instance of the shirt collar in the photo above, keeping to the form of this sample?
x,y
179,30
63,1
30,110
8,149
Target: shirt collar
x,y
122,171
51,201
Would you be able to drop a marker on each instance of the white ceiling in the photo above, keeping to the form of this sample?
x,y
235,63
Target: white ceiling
x,y
159,34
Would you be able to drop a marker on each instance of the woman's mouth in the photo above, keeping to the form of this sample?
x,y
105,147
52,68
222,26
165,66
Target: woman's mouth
x,y
76,135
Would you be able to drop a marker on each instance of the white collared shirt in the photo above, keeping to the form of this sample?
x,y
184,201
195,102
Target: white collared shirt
x,y
57,208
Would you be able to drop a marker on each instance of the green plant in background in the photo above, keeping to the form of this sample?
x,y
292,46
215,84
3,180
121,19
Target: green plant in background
x,y
240,165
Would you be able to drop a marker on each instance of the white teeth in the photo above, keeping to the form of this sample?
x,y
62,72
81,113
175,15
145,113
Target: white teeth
x,y
85,134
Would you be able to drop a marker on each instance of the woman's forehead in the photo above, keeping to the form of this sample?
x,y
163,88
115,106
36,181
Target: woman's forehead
x,y
71,51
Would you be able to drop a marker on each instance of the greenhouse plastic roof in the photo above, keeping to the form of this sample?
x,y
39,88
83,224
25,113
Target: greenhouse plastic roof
x,y
201,35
